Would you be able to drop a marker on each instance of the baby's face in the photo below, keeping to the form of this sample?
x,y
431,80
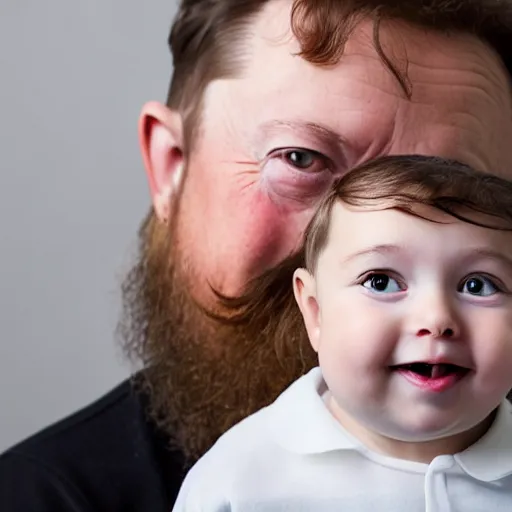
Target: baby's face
x,y
412,322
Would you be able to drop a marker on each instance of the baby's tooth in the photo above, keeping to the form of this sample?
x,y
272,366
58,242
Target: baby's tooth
x,y
437,371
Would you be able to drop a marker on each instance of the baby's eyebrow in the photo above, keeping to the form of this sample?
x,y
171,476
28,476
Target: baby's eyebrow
x,y
486,253
381,249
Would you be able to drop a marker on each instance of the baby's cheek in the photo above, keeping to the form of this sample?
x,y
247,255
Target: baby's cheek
x,y
493,359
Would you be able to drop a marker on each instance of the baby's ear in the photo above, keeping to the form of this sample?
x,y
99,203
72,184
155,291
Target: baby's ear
x,y
304,289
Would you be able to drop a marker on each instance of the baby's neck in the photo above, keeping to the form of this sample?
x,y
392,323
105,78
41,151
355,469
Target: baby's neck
x,y
425,451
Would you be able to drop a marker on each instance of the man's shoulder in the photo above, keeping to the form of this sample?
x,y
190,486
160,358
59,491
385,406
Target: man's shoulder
x,y
98,416
107,456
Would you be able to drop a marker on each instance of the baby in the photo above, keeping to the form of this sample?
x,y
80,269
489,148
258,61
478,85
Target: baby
x,y
406,297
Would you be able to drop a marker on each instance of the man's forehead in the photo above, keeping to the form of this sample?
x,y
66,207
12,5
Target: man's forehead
x,y
428,60
271,30
460,108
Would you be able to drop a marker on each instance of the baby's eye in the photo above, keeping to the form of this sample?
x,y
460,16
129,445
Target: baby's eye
x,y
478,285
382,283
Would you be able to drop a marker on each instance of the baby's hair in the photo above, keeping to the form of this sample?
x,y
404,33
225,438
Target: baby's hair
x,y
403,183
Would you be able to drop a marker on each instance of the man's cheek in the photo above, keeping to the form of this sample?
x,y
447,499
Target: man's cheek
x,y
250,238
247,222
264,232
270,209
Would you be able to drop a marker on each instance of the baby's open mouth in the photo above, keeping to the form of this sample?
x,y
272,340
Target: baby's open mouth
x,y
436,377
432,371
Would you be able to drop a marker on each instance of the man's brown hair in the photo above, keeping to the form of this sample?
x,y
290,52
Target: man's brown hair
x,y
206,40
403,183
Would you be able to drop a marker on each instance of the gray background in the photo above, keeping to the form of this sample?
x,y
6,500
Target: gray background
x,y
73,76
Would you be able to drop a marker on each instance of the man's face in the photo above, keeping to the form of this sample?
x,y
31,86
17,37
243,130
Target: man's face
x,y
412,322
272,140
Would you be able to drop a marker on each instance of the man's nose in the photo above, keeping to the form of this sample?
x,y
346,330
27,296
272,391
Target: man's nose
x,y
434,315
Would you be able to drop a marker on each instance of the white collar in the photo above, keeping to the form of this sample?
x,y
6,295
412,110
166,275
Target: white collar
x,y
490,458
301,423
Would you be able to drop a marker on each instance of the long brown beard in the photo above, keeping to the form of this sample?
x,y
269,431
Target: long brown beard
x,y
204,374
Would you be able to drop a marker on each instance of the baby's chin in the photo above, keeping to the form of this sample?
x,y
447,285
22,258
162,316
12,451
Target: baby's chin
x,y
406,429
422,438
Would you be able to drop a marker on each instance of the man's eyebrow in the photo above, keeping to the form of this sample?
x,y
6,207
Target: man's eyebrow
x,y
329,136
381,249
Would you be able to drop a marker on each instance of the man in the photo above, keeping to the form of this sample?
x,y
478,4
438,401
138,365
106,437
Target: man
x,y
269,102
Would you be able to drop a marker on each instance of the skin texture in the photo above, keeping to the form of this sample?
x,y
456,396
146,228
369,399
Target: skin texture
x,y
427,311
269,145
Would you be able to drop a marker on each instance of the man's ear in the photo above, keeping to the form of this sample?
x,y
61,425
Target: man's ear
x,y
161,143
304,289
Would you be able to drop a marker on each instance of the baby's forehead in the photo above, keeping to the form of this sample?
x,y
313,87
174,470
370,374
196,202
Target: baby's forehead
x,y
413,211
353,229
347,218
347,214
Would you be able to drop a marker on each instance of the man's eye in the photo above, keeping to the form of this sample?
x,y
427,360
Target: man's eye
x,y
382,283
305,160
480,286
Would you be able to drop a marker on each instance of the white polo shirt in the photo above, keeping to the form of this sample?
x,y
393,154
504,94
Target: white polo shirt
x,y
294,456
